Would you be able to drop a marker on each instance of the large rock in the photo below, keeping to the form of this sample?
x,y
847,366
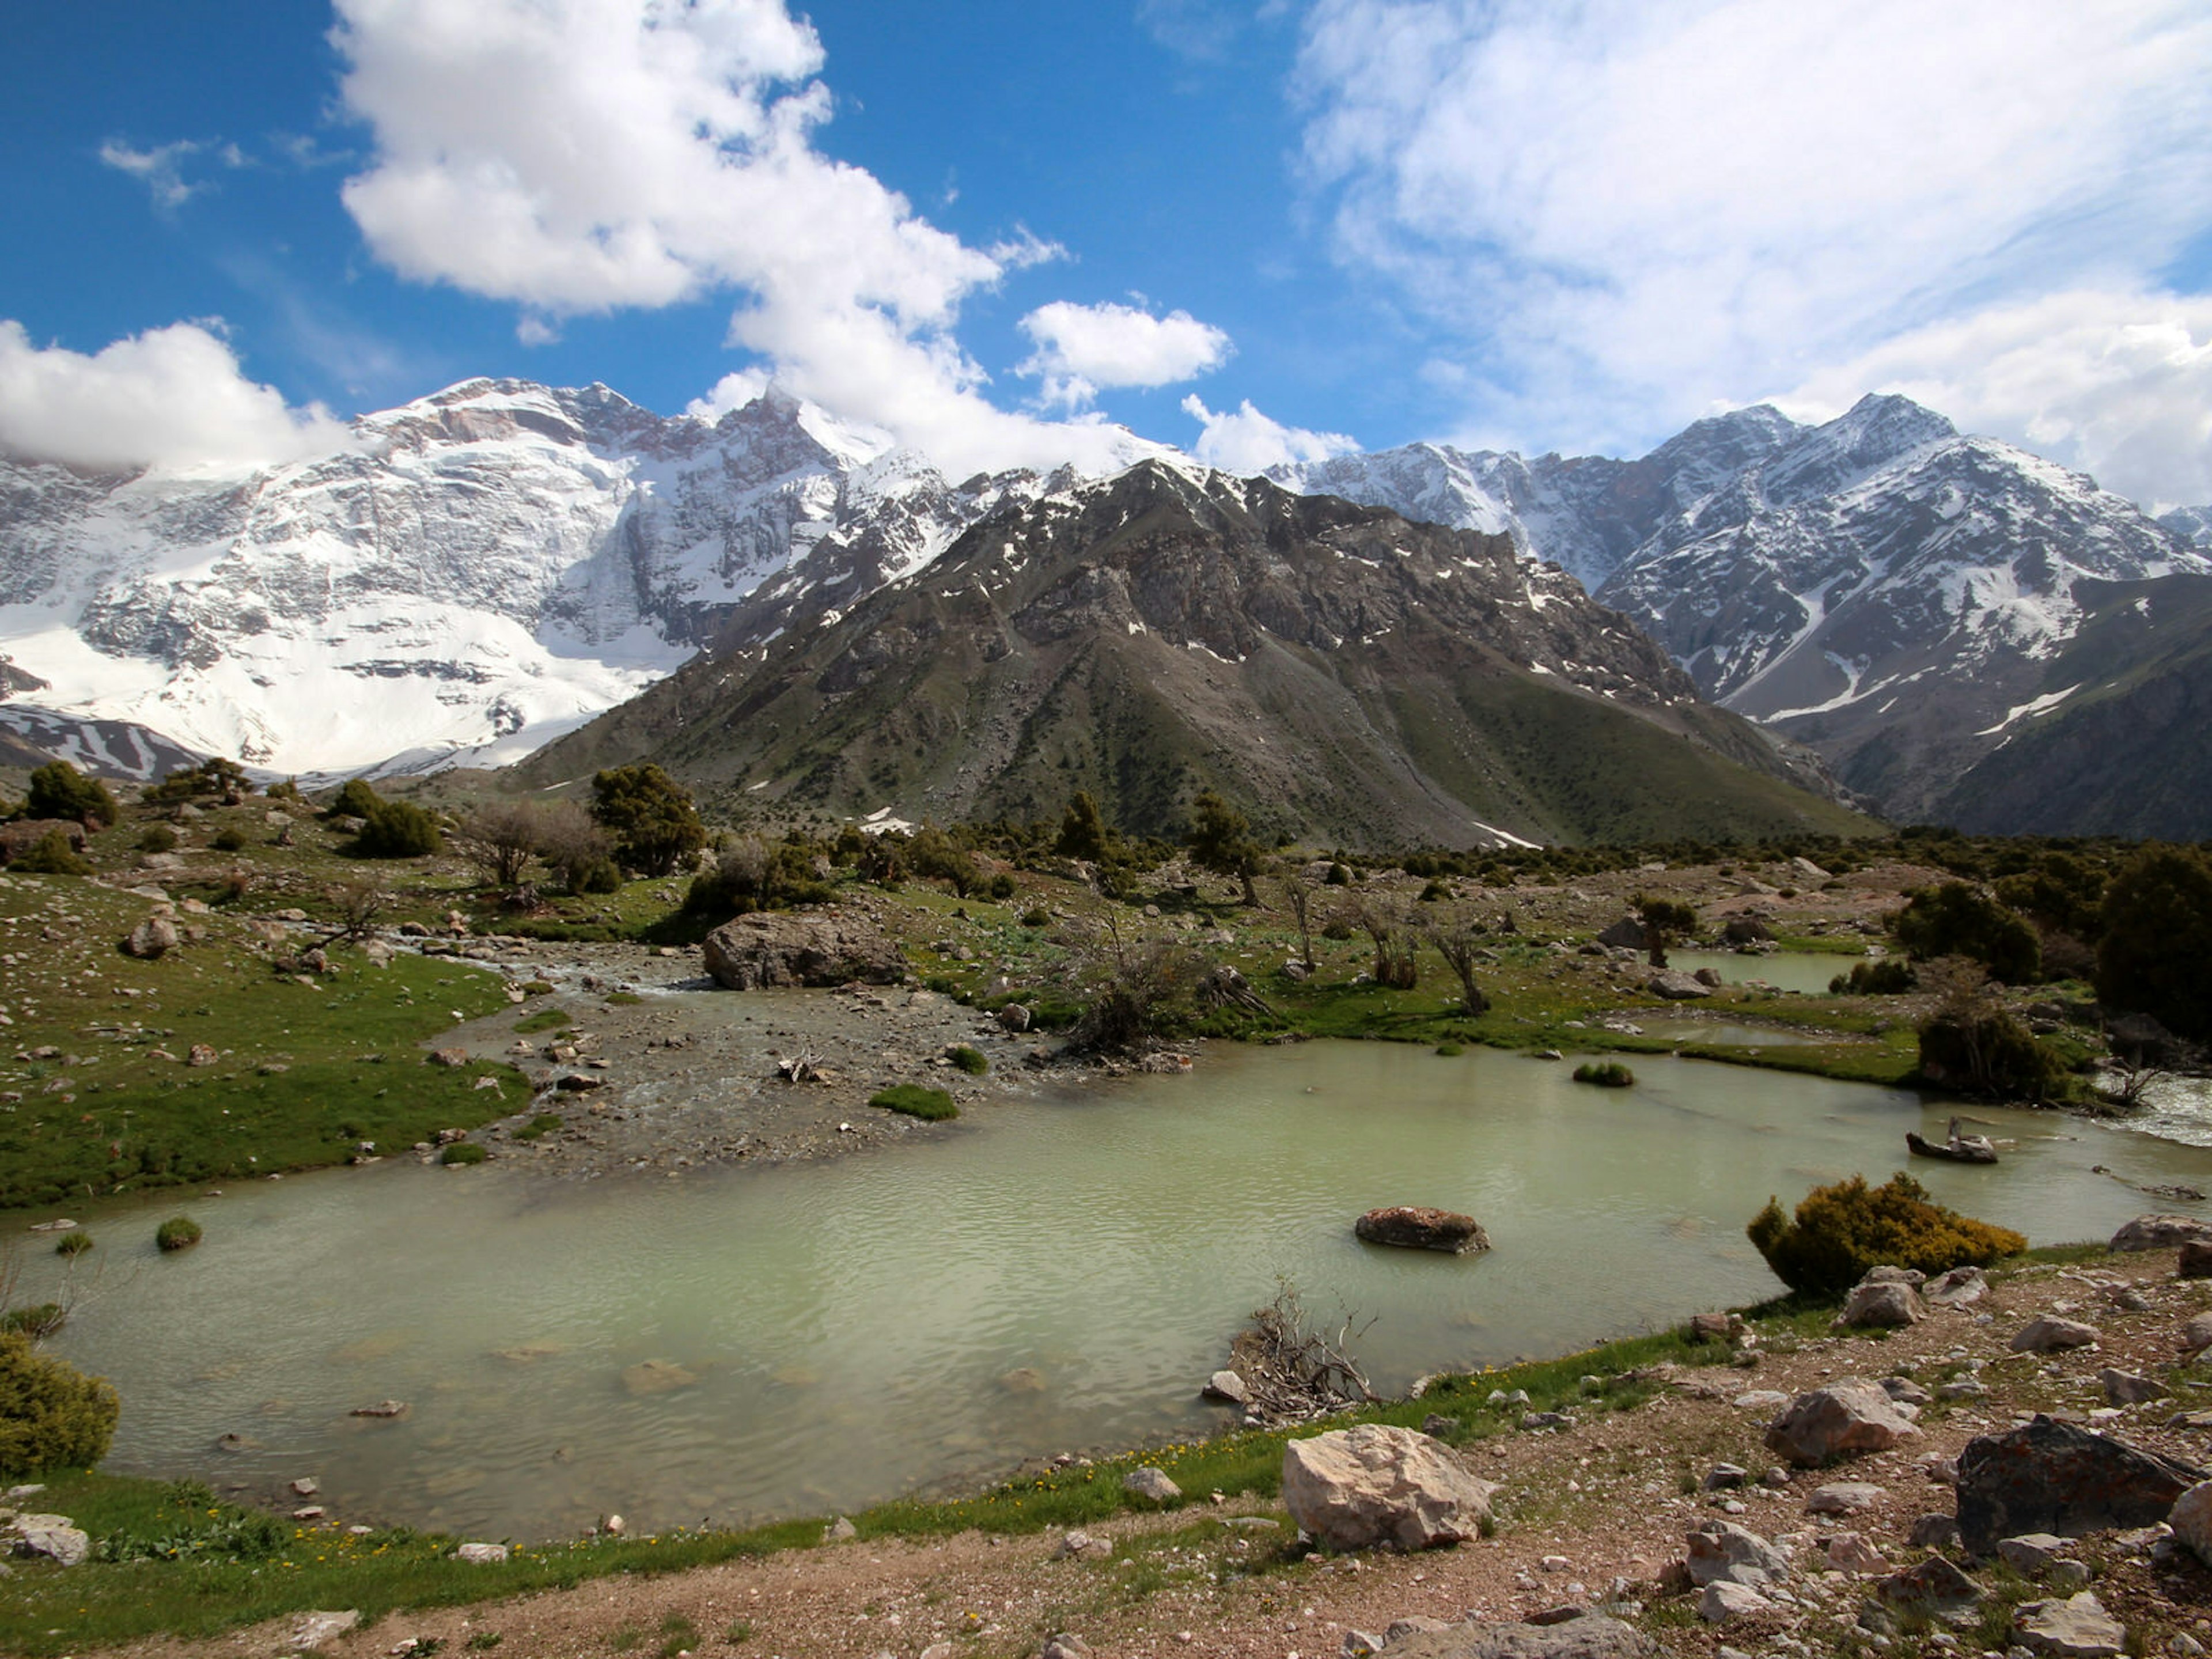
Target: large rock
x,y
154,936
1357,1488
2159,1232
1723,1600
1676,987
1961,1287
2051,1335
1849,1415
1934,1587
1722,1551
1878,1306
2075,1628
53,1536
2191,1521
823,947
2049,1476
1594,1636
1414,1227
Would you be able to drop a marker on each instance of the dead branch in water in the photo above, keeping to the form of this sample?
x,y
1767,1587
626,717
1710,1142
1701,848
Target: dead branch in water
x,y
1291,1371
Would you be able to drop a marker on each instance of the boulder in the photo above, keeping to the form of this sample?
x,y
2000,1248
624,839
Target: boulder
x,y
1376,1485
1723,1600
2196,1259
1843,1497
1674,985
1746,930
1849,1415
2191,1521
1153,1483
1883,1306
21,836
1227,1385
1933,1587
2129,1389
2030,1553
2159,1232
1626,935
1722,1551
2049,1476
1014,1018
1933,1532
51,1536
2077,1627
2051,1334
1592,1636
825,947
1414,1227
152,939
2197,1335
1849,1553
1961,1287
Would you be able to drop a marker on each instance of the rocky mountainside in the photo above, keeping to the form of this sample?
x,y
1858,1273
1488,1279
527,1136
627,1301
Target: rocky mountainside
x,y
479,571
1337,671
2193,524
1880,587
2114,742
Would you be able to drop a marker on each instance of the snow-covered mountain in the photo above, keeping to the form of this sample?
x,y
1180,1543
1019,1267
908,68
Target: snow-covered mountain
x,y
1880,588
2193,524
476,571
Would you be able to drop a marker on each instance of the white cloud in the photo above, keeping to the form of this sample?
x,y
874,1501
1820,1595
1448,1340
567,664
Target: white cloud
x,y
1626,212
169,398
1083,349
2118,385
533,329
580,156
161,169
1247,441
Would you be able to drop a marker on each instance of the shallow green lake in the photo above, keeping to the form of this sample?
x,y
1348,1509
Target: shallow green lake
x,y
1804,971
1053,1275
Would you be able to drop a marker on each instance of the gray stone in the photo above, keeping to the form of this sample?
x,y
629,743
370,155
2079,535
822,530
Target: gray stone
x,y
1933,1587
2049,1476
152,939
1723,1600
2069,1576
1722,1476
1722,1551
2051,1334
1849,1553
2075,1628
1377,1484
839,1531
1596,1636
1414,1623
1676,987
1880,1306
1849,1415
1959,1288
2129,1389
1906,1391
1933,1532
310,1631
1361,1644
1152,1483
2197,1335
480,1555
1843,1497
1014,1018
1889,1272
1062,1646
2159,1232
1227,1385
2030,1552
1079,1544
2192,1520
51,1536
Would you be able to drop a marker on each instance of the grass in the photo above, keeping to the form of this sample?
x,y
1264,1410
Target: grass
x,y
1604,1073
179,1232
971,1061
543,1124
463,1151
915,1101
545,1019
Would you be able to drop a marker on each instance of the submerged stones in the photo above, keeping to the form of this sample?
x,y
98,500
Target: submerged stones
x,y
1415,1227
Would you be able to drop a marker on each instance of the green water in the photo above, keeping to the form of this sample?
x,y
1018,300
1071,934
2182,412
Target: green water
x,y
1804,971
849,1328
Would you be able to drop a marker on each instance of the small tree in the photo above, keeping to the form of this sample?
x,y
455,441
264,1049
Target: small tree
x,y
398,829
1083,832
355,799
1221,841
214,776
1396,944
573,847
1665,921
1956,919
655,826
934,856
58,790
1459,940
500,838
1298,893
1970,1042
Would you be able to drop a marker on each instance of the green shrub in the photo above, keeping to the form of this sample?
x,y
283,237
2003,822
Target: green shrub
x,y
2155,956
1002,886
37,1322
179,1232
463,1151
1986,1051
398,829
58,790
73,1245
1606,1073
914,1101
1434,893
51,856
601,875
1956,919
1450,1050
1841,1231
355,800
1339,930
1888,977
543,1124
228,841
1338,876
157,838
971,1061
1037,917
52,1416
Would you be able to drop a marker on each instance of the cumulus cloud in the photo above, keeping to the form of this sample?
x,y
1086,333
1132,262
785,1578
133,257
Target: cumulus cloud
x,y
2118,384
1625,212
169,398
1247,441
582,156
1081,349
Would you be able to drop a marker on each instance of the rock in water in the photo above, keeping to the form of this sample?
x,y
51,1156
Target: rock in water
x,y
2049,1476
829,947
1414,1228
1850,1415
1374,1484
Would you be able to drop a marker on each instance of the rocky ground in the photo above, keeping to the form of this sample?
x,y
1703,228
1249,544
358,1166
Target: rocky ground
x,y
1593,1511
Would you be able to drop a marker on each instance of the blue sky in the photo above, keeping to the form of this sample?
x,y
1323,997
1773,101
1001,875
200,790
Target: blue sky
x,y
1260,231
